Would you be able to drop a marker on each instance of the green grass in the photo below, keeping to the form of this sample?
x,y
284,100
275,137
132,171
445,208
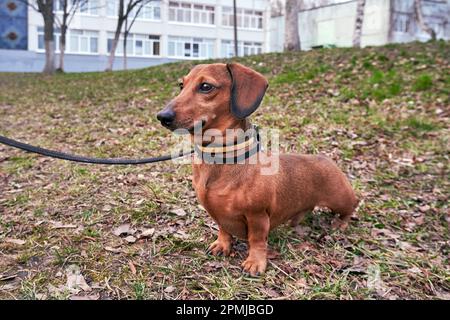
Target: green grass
x,y
423,82
380,113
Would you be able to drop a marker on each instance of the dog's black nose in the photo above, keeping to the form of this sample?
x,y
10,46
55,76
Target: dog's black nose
x,y
166,117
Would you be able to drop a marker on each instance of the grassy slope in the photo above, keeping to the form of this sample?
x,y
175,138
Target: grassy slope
x,y
381,113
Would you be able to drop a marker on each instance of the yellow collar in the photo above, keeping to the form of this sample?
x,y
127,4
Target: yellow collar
x,y
228,148
235,153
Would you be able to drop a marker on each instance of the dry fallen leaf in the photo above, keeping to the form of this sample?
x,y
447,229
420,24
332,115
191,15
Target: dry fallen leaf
x,y
415,270
130,239
147,233
112,249
89,297
15,241
376,233
272,293
179,212
302,231
169,289
132,267
124,229
424,208
212,266
75,279
443,295
60,225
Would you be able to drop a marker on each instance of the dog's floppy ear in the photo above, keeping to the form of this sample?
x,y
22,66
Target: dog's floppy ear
x,y
247,90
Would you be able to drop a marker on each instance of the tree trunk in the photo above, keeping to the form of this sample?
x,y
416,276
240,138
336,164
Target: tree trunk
x,y
62,45
120,20
47,14
62,39
112,54
291,36
235,27
391,22
125,37
358,23
62,50
49,67
420,20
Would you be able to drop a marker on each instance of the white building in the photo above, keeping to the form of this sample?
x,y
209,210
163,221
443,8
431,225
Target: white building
x,y
325,23
164,31
171,30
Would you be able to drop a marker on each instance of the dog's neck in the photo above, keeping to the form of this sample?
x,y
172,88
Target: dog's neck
x,y
235,145
237,126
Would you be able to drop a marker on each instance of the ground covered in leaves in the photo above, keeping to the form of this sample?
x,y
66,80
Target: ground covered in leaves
x,y
72,231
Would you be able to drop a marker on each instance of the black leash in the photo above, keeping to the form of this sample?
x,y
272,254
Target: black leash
x,y
75,158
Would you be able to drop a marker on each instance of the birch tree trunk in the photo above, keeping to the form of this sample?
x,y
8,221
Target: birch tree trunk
x,y
291,36
358,23
62,39
125,37
46,9
421,21
62,48
120,20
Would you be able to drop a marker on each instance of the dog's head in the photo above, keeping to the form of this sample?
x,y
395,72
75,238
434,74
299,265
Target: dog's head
x,y
215,96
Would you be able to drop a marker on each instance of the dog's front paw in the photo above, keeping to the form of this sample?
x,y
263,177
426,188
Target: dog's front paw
x,y
254,266
218,248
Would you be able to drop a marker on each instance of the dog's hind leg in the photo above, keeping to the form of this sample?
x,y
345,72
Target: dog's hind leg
x,y
295,220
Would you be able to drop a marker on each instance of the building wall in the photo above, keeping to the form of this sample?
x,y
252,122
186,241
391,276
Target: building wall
x,y
13,25
405,28
33,59
332,24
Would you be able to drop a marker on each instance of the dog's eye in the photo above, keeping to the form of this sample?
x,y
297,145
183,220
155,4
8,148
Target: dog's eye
x,y
206,87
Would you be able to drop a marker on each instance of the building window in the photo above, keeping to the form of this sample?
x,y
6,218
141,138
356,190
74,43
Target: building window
x,y
82,41
182,47
112,8
138,45
246,19
191,13
245,48
88,7
77,41
41,41
149,11
401,23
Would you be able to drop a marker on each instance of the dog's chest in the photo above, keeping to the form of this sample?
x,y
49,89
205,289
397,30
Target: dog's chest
x,y
220,202
216,197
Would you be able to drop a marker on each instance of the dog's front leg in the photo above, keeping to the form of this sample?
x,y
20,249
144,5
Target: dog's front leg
x,y
222,246
258,227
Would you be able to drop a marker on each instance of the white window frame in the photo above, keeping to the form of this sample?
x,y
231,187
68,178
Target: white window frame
x,y
148,8
205,47
402,22
206,13
92,8
152,6
88,34
132,39
244,15
57,36
252,47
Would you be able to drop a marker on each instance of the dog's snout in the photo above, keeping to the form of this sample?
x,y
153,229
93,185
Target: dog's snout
x,y
166,117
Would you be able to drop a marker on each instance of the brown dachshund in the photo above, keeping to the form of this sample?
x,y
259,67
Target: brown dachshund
x,y
244,202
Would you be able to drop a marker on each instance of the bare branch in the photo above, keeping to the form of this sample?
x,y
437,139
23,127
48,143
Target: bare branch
x,y
30,4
